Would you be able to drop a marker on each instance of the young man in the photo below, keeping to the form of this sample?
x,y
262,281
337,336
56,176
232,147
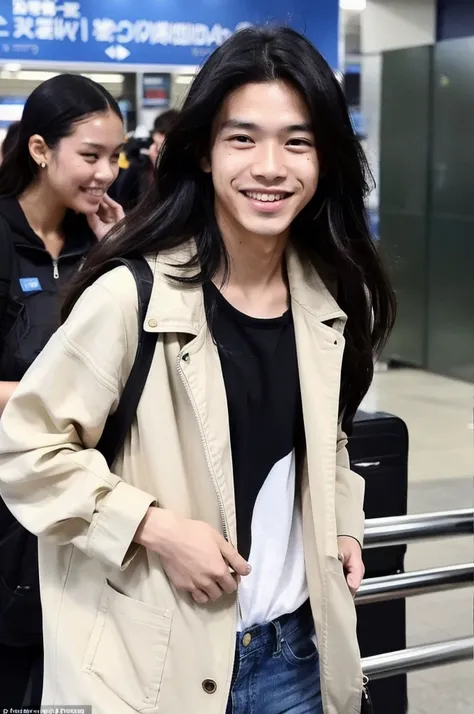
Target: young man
x,y
213,570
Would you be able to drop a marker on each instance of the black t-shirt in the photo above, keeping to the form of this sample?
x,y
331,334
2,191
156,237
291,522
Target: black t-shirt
x,y
260,370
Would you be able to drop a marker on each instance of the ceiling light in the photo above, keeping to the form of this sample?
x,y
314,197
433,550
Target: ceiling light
x,y
12,67
106,78
355,5
28,76
184,79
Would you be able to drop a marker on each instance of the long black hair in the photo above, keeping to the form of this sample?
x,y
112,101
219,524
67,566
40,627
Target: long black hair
x,y
51,110
333,228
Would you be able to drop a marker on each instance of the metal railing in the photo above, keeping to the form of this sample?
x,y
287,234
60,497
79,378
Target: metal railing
x,y
409,529
415,658
420,582
385,532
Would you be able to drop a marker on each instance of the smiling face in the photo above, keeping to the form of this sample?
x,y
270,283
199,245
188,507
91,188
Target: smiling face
x,y
263,160
81,168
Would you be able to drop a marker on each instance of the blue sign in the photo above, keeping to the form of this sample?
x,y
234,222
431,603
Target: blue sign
x,y
150,32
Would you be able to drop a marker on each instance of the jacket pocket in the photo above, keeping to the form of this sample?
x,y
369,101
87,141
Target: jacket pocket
x,y
128,647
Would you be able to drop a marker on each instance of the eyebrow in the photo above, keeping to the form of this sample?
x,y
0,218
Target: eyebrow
x,y
251,126
93,145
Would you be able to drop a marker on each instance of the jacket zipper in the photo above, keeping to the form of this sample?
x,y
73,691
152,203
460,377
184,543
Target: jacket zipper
x,y
55,268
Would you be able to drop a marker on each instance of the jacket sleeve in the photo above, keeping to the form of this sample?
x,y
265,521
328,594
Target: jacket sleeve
x,y
350,489
51,477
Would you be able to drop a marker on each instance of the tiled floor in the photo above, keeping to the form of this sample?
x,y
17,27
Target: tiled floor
x,y
439,415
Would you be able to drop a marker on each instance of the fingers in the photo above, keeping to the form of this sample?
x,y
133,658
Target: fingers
x,y
200,597
113,208
233,558
355,571
110,201
212,590
93,221
228,582
209,592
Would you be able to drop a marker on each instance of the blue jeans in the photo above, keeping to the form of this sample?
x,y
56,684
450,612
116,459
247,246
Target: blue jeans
x,y
276,668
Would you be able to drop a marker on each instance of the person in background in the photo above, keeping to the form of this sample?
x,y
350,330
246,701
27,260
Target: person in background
x,y
142,152
10,138
53,210
162,126
212,568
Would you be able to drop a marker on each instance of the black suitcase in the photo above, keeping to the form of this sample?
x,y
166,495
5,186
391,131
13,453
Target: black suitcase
x,y
378,451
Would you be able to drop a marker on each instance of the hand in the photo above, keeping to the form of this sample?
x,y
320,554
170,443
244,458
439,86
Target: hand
x,y
153,152
6,392
195,557
350,555
108,214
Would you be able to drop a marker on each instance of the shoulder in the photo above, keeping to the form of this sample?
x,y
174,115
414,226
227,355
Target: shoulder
x,y
111,297
102,329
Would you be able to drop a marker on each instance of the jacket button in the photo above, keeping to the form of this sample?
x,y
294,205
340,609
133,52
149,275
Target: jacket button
x,y
209,686
185,357
152,323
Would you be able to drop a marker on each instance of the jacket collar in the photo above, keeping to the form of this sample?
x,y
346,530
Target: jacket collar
x,y
175,307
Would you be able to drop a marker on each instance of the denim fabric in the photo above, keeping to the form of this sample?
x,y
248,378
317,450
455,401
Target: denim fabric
x,y
276,668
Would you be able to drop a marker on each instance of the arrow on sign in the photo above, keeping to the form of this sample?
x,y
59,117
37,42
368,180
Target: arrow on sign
x,y
117,52
3,22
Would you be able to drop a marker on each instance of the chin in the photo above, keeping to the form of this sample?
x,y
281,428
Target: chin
x,y
266,228
85,207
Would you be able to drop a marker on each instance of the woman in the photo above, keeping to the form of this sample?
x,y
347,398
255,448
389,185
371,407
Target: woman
x,y
53,209
269,303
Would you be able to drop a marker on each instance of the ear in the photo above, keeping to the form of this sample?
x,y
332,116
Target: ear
x,y
206,166
39,150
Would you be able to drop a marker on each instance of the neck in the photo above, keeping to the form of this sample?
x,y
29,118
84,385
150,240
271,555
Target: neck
x,y
255,261
256,284
43,211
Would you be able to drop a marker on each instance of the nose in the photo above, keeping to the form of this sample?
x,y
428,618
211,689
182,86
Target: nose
x,y
106,171
269,163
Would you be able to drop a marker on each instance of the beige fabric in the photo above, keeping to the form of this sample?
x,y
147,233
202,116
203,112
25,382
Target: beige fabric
x,y
117,635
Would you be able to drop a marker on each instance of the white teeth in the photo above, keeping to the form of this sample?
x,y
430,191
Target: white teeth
x,y
95,191
265,197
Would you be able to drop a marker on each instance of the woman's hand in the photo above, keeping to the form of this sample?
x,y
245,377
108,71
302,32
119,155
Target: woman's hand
x,y
108,214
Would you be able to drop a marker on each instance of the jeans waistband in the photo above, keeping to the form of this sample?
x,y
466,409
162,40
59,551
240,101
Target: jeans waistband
x,y
272,633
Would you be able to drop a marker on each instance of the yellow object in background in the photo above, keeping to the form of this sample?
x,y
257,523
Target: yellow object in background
x,y
123,161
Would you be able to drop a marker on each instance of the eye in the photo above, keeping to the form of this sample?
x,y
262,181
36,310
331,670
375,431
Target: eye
x,y
241,139
300,143
91,157
115,158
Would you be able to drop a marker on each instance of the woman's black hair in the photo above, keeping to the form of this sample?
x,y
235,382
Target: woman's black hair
x,y
10,139
332,229
52,110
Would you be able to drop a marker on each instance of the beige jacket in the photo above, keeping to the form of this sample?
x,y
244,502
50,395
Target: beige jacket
x,y
117,634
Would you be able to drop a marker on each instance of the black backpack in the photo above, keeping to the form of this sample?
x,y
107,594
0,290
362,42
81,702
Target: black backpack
x,y
20,603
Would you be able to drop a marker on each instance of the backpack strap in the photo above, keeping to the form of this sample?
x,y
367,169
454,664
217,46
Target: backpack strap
x,y
118,424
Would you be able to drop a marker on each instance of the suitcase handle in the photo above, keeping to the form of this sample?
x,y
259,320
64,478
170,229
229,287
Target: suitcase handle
x,y
368,464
